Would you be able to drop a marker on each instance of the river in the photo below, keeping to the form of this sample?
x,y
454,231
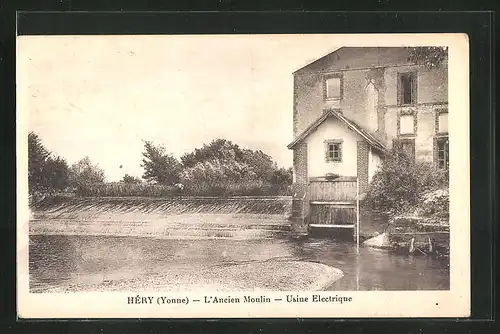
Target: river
x,y
57,261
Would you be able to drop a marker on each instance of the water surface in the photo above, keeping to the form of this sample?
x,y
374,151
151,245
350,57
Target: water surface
x,y
56,260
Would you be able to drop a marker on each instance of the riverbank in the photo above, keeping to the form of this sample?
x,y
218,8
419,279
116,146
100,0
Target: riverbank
x,y
414,235
168,221
130,244
271,275
60,263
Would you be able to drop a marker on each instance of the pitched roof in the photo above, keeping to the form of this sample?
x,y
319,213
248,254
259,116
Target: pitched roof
x,y
374,142
351,57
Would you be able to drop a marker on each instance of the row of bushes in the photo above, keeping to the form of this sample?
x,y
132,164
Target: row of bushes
x,y
121,189
434,204
403,186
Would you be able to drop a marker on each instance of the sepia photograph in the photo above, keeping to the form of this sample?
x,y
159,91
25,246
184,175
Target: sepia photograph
x,y
243,169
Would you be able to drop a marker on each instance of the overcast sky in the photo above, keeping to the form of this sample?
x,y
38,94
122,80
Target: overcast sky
x,y
102,95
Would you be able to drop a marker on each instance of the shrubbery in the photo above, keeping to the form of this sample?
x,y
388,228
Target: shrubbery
x,y
221,188
219,168
435,204
122,189
403,186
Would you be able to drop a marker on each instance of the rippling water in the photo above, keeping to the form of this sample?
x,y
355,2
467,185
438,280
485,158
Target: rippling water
x,y
57,261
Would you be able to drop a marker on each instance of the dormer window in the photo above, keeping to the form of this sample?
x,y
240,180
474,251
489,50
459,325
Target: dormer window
x,y
333,87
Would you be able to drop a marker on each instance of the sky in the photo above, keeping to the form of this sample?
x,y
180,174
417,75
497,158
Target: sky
x,y
101,96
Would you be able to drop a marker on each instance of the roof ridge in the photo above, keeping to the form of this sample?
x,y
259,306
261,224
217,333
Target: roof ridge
x,y
370,138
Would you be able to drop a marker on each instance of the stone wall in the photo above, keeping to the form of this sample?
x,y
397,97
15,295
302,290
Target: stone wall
x,y
362,165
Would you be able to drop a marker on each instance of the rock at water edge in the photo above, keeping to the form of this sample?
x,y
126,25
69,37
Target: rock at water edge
x,y
380,241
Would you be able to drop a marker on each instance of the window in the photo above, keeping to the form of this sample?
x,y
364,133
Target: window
x,y
407,124
442,121
442,154
333,150
333,86
407,146
407,88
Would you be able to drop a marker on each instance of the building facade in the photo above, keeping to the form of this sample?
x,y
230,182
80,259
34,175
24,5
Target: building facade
x,y
351,106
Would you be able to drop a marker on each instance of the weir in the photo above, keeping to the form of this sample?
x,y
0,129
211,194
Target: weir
x,y
189,218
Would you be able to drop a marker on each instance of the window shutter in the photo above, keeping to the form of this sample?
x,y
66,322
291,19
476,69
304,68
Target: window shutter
x,y
414,87
398,90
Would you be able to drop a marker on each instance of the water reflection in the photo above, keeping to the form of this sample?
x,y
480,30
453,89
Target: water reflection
x,y
374,269
62,260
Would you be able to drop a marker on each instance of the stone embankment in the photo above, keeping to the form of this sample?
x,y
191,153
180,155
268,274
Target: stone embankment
x,y
414,235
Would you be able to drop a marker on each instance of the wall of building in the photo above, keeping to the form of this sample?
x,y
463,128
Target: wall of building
x,y
300,164
308,101
361,98
432,85
432,93
369,98
375,161
424,140
363,156
332,128
426,128
357,99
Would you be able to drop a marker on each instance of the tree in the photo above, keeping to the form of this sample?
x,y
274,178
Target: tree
x,y
429,56
260,163
235,161
222,167
159,166
37,156
282,177
131,179
47,173
56,172
84,173
218,149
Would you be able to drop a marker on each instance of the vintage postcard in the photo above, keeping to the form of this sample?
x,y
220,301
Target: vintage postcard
x,y
223,176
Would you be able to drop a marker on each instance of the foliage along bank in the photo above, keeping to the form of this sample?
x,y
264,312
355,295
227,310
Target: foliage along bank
x,y
405,187
220,168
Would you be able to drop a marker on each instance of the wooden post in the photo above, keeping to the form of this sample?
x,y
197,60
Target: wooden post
x,y
357,212
411,249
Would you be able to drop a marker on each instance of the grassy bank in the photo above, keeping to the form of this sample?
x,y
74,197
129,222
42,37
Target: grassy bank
x,y
221,188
